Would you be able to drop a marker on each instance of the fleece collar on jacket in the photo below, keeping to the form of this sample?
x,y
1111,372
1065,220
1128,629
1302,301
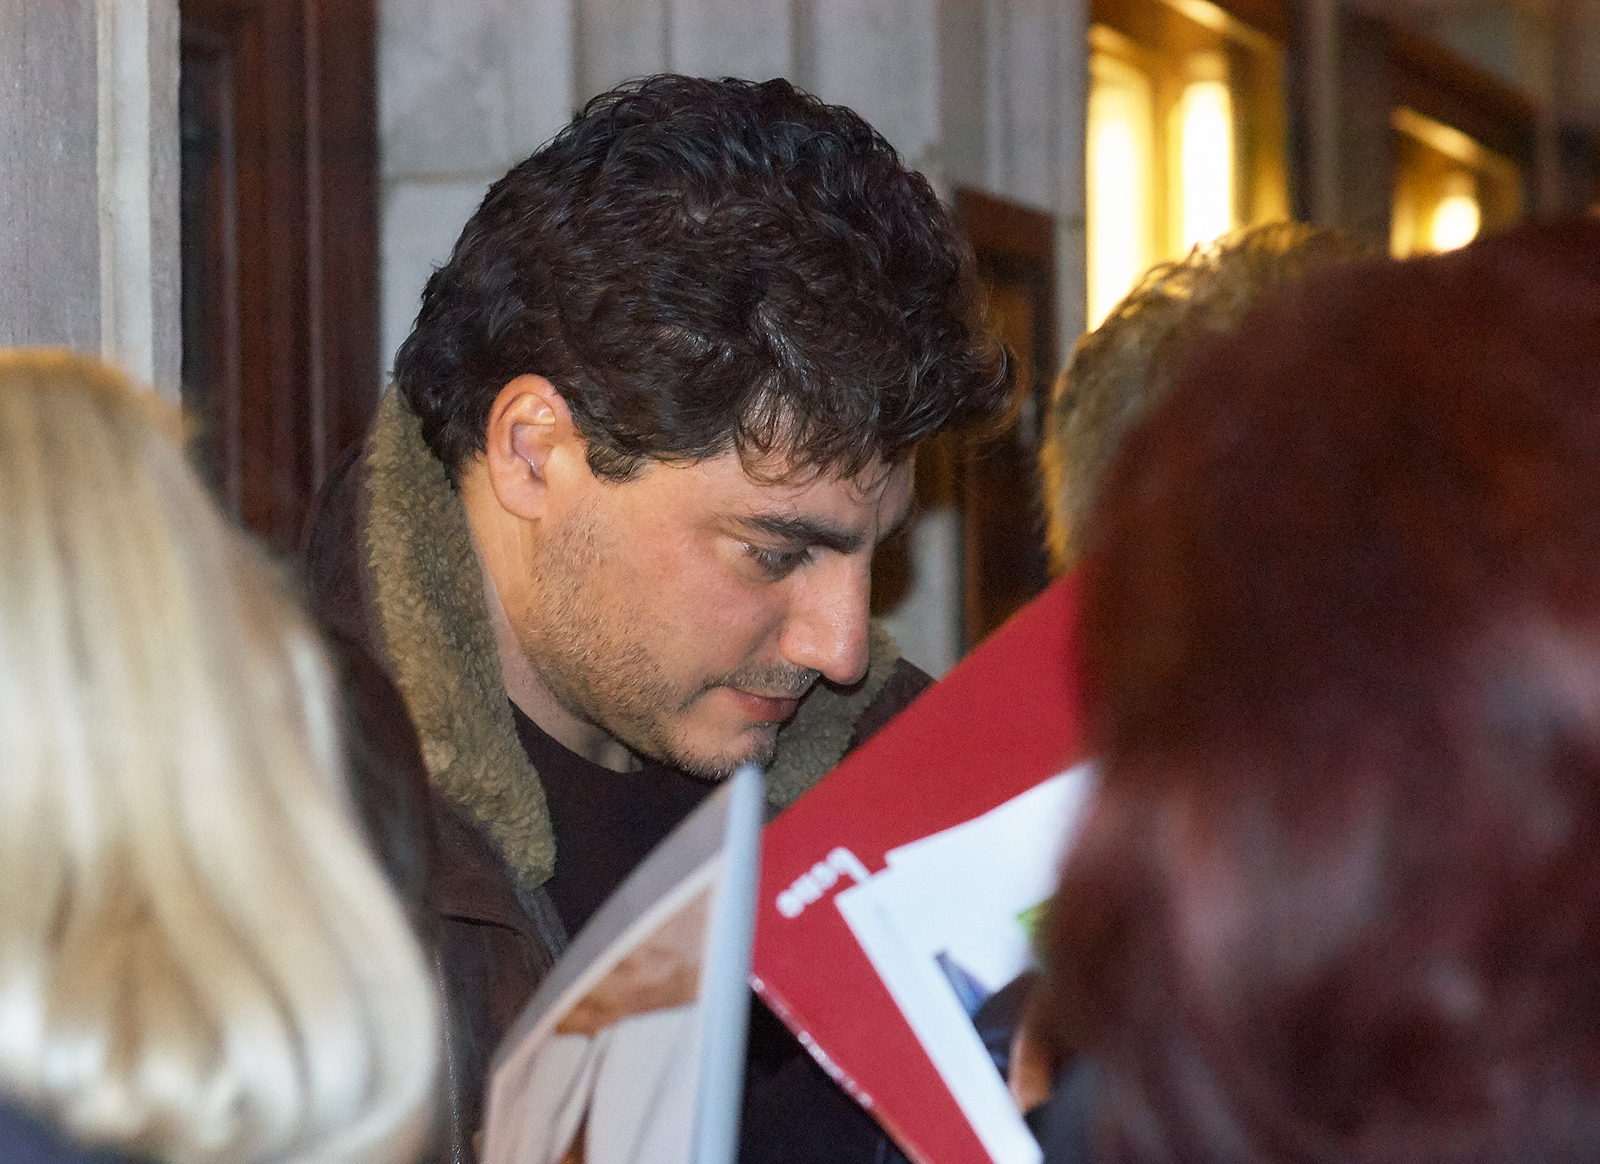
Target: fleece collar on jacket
x,y
444,658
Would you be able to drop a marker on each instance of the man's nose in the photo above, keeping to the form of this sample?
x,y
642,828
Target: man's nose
x,y
827,626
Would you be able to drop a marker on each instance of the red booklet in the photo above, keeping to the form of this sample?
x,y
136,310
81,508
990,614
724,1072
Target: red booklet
x,y
883,911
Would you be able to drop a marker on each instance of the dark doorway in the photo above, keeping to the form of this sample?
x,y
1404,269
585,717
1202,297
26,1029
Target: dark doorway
x,y
1004,563
277,101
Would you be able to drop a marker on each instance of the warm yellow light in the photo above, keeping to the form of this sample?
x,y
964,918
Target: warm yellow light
x,y
1120,142
1455,220
1205,129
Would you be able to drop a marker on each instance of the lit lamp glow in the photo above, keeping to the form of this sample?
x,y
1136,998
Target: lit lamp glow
x,y
1456,219
1120,136
1205,129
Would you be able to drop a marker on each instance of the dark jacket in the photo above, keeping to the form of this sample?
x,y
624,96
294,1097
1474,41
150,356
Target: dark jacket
x,y
394,578
26,1139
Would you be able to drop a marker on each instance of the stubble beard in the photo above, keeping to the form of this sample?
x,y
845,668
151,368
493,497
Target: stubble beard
x,y
610,679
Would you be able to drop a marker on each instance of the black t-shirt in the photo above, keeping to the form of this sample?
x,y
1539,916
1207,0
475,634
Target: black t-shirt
x,y
605,823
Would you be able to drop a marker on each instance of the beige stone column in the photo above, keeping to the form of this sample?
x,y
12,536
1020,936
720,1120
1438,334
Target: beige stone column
x,y
138,176
89,181
49,192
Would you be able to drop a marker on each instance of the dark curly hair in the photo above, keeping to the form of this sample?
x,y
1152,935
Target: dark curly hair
x,y
699,266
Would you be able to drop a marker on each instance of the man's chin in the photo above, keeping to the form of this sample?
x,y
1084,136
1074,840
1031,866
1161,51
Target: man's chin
x,y
756,745
711,738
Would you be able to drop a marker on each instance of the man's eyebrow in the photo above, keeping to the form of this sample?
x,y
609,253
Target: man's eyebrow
x,y
804,531
811,532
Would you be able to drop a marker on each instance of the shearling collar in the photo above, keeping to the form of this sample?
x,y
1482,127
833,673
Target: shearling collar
x,y
443,656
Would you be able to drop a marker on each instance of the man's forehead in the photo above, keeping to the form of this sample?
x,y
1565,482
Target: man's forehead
x,y
879,488
773,475
783,470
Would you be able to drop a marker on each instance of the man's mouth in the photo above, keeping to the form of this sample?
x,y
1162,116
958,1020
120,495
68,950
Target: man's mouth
x,y
766,708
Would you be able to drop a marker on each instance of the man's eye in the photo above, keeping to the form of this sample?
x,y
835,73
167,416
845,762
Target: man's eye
x,y
777,563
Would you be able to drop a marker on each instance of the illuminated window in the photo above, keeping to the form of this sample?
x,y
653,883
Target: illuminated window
x,y
1120,163
1203,130
1185,136
1448,187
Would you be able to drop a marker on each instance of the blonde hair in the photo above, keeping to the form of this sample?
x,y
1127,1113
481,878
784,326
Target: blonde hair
x,y
1122,368
199,957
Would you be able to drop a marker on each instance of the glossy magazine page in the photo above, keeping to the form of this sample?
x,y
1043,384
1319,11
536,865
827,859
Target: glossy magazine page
x,y
632,1050
896,896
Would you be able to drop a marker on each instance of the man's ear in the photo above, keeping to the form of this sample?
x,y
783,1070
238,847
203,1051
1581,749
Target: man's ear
x,y
530,435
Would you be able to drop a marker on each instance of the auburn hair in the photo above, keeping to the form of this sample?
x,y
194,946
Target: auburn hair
x,y
1337,897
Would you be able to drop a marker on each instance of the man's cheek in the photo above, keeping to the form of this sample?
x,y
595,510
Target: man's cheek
x,y
725,633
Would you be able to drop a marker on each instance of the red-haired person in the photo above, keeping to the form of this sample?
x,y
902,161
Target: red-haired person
x,y
1338,898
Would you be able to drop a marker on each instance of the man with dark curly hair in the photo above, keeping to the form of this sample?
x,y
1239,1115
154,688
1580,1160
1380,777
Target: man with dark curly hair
x,y
612,532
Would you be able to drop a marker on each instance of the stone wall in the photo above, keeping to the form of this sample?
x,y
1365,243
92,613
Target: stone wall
x,y
49,200
89,181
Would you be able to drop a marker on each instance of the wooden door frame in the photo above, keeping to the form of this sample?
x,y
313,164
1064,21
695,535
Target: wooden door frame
x,y
280,247
1003,554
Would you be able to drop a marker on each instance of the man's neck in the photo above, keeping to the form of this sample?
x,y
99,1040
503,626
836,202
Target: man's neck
x,y
527,691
